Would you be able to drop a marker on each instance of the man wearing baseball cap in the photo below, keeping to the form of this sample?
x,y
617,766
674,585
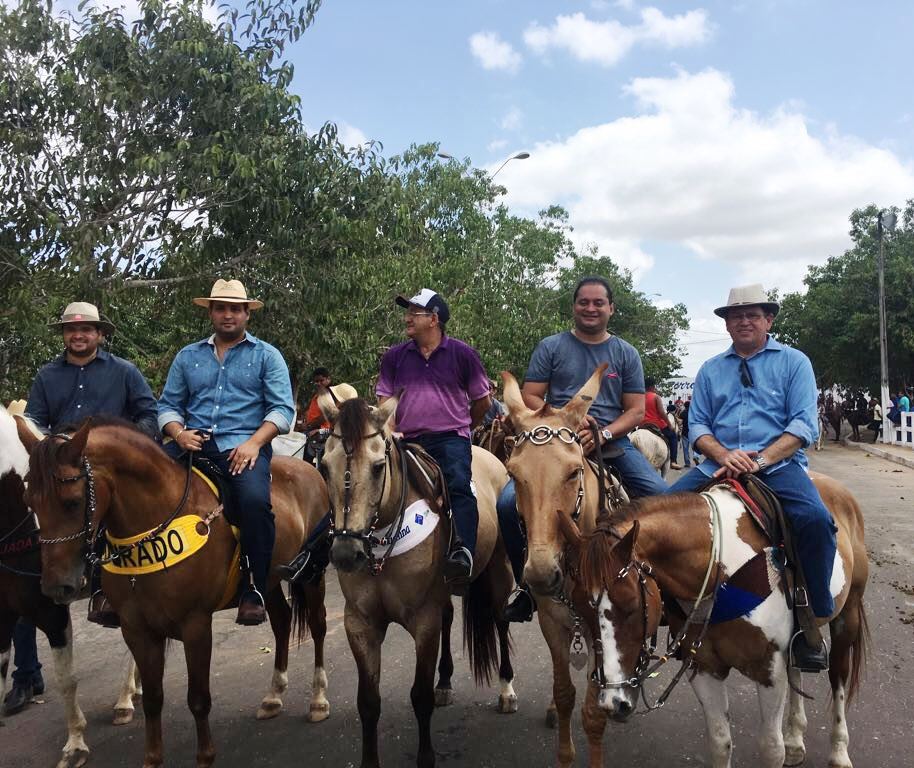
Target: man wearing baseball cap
x,y
85,380
227,397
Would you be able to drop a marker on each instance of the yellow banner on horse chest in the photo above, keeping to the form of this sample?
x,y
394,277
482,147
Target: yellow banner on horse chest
x,y
136,555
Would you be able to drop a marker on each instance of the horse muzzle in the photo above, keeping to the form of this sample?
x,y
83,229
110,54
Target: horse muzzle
x,y
543,575
62,592
616,704
348,554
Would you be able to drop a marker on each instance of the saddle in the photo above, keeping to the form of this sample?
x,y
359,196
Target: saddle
x,y
653,428
427,478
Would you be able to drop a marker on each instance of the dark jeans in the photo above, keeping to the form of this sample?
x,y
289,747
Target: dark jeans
x,y
28,668
250,506
511,531
672,440
812,524
454,456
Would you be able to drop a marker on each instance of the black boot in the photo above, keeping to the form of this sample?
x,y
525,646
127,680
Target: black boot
x,y
251,610
458,567
18,699
806,658
102,612
308,565
522,607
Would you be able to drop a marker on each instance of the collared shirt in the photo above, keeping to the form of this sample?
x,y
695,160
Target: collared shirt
x,y
782,399
231,397
436,392
66,394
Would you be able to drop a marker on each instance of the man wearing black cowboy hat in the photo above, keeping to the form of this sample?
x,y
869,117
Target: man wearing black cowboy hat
x,y
85,380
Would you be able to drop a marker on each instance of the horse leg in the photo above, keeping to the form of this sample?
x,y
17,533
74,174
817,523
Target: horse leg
x,y
365,642
319,709
507,698
75,751
563,693
594,724
422,694
123,707
712,695
444,694
149,654
281,623
197,634
772,699
846,642
5,645
795,749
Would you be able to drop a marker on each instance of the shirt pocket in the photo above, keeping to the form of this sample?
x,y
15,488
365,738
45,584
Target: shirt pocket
x,y
201,376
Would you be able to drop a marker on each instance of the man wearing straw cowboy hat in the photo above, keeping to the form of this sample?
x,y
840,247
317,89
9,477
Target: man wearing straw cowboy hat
x,y
754,411
228,396
85,380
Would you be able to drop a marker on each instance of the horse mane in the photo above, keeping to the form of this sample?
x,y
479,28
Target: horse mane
x,y
354,415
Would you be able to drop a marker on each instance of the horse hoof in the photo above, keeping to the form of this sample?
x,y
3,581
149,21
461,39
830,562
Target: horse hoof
x,y
122,716
444,697
552,718
318,712
268,709
794,756
507,705
74,759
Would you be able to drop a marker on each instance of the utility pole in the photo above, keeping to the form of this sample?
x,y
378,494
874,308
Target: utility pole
x,y
886,221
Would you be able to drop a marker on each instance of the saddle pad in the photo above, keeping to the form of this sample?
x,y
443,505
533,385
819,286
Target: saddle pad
x,y
418,523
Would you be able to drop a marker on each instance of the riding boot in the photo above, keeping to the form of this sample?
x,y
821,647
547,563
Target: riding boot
x,y
251,607
19,697
308,566
522,607
100,609
458,567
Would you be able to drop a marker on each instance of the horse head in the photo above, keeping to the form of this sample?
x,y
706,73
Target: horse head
x,y
59,493
355,465
547,464
628,608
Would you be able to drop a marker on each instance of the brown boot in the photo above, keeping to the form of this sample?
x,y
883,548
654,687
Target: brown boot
x,y
251,611
102,612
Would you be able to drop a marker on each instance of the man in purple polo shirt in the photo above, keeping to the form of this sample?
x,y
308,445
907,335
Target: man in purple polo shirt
x,y
445,392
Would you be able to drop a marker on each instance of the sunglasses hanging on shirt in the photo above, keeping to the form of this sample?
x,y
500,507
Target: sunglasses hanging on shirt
x,y
745,375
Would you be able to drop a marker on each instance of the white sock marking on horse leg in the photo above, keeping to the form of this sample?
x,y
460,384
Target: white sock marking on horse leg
x,y
320,706
124,703
272,702
4,670
67,682
795,730
839,734
506,689
772,700
712,694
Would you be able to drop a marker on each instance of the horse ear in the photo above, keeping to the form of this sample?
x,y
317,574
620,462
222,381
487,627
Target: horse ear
x,y
28,438
71,451
384,413
624,548
326,402
517,408
578,406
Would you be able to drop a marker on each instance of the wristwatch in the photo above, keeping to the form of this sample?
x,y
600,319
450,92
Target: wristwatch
x,y
607,435
761,462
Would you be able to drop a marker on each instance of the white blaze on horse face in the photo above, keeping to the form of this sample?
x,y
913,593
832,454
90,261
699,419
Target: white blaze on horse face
x,y
612,658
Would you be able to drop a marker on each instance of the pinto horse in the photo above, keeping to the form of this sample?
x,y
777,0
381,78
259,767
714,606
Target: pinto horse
x,y
558,492
665,544
111,475
376,503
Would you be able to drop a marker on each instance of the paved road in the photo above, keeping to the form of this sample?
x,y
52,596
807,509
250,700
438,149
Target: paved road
x,y
470,733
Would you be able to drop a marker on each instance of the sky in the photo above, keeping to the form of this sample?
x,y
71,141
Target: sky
x,y
702,145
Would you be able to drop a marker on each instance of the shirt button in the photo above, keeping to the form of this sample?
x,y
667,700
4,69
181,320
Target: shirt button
x,y
220,387
80,386
79,406
217,407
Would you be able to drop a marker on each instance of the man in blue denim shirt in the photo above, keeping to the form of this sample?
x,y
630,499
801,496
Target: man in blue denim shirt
x,y
228,396
754,410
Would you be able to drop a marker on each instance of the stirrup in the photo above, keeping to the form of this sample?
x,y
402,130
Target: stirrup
x,y
293,570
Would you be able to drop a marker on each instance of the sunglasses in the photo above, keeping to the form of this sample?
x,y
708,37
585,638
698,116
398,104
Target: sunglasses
x,y
745,375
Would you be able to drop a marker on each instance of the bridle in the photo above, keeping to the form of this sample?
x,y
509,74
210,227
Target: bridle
x,y
366,537
543,434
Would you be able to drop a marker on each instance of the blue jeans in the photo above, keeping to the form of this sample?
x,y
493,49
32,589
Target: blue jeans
x,y
672,440
250,507
686,450
454,455
640,478
28,668
812,524
511,532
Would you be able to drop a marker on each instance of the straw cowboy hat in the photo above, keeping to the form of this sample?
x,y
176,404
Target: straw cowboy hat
x,y
229,291
748,296
83,312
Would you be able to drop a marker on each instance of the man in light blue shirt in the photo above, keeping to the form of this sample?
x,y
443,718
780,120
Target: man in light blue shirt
x,y
227,397
754,411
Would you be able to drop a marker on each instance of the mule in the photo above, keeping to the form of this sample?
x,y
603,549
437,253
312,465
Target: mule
x,y
653,447
558,492
664,545
375,498
111,475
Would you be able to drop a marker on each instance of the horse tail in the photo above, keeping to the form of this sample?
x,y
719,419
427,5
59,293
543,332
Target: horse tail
x,y
479,630
859,651
302,596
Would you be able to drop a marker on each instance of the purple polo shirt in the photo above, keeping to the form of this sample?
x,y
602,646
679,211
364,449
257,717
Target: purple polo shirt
x,y
436,392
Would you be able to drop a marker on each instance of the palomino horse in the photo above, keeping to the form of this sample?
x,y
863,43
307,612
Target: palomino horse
x,y
112,475
558,491
654,448
375,505
669,542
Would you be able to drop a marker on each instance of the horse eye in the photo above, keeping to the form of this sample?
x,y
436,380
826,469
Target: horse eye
x,y
378,468
572,476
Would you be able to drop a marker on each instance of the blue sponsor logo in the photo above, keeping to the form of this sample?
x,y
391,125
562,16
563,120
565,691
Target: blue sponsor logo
x,y
419,519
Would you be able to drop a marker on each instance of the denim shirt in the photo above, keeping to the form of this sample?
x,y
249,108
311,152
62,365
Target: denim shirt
x,y
782,399
231,398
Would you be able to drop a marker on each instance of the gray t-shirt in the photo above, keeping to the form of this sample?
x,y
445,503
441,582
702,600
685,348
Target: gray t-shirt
x,y
564,363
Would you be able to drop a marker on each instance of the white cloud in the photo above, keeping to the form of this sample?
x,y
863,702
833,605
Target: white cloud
x,y
496,144
607,42
692,170
349,135
512,119
494,53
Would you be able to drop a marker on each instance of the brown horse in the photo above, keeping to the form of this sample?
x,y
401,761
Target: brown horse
x,y
376,503
558,492
496,438
114,476
666,544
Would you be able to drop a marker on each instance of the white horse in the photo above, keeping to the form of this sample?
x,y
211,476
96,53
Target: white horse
x,y
655,449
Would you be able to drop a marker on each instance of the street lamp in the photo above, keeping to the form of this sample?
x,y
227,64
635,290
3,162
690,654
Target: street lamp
x,y
885,221
518,156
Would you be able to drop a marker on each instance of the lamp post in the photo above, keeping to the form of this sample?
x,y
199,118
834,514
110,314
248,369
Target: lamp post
x,y
885,221
516,156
